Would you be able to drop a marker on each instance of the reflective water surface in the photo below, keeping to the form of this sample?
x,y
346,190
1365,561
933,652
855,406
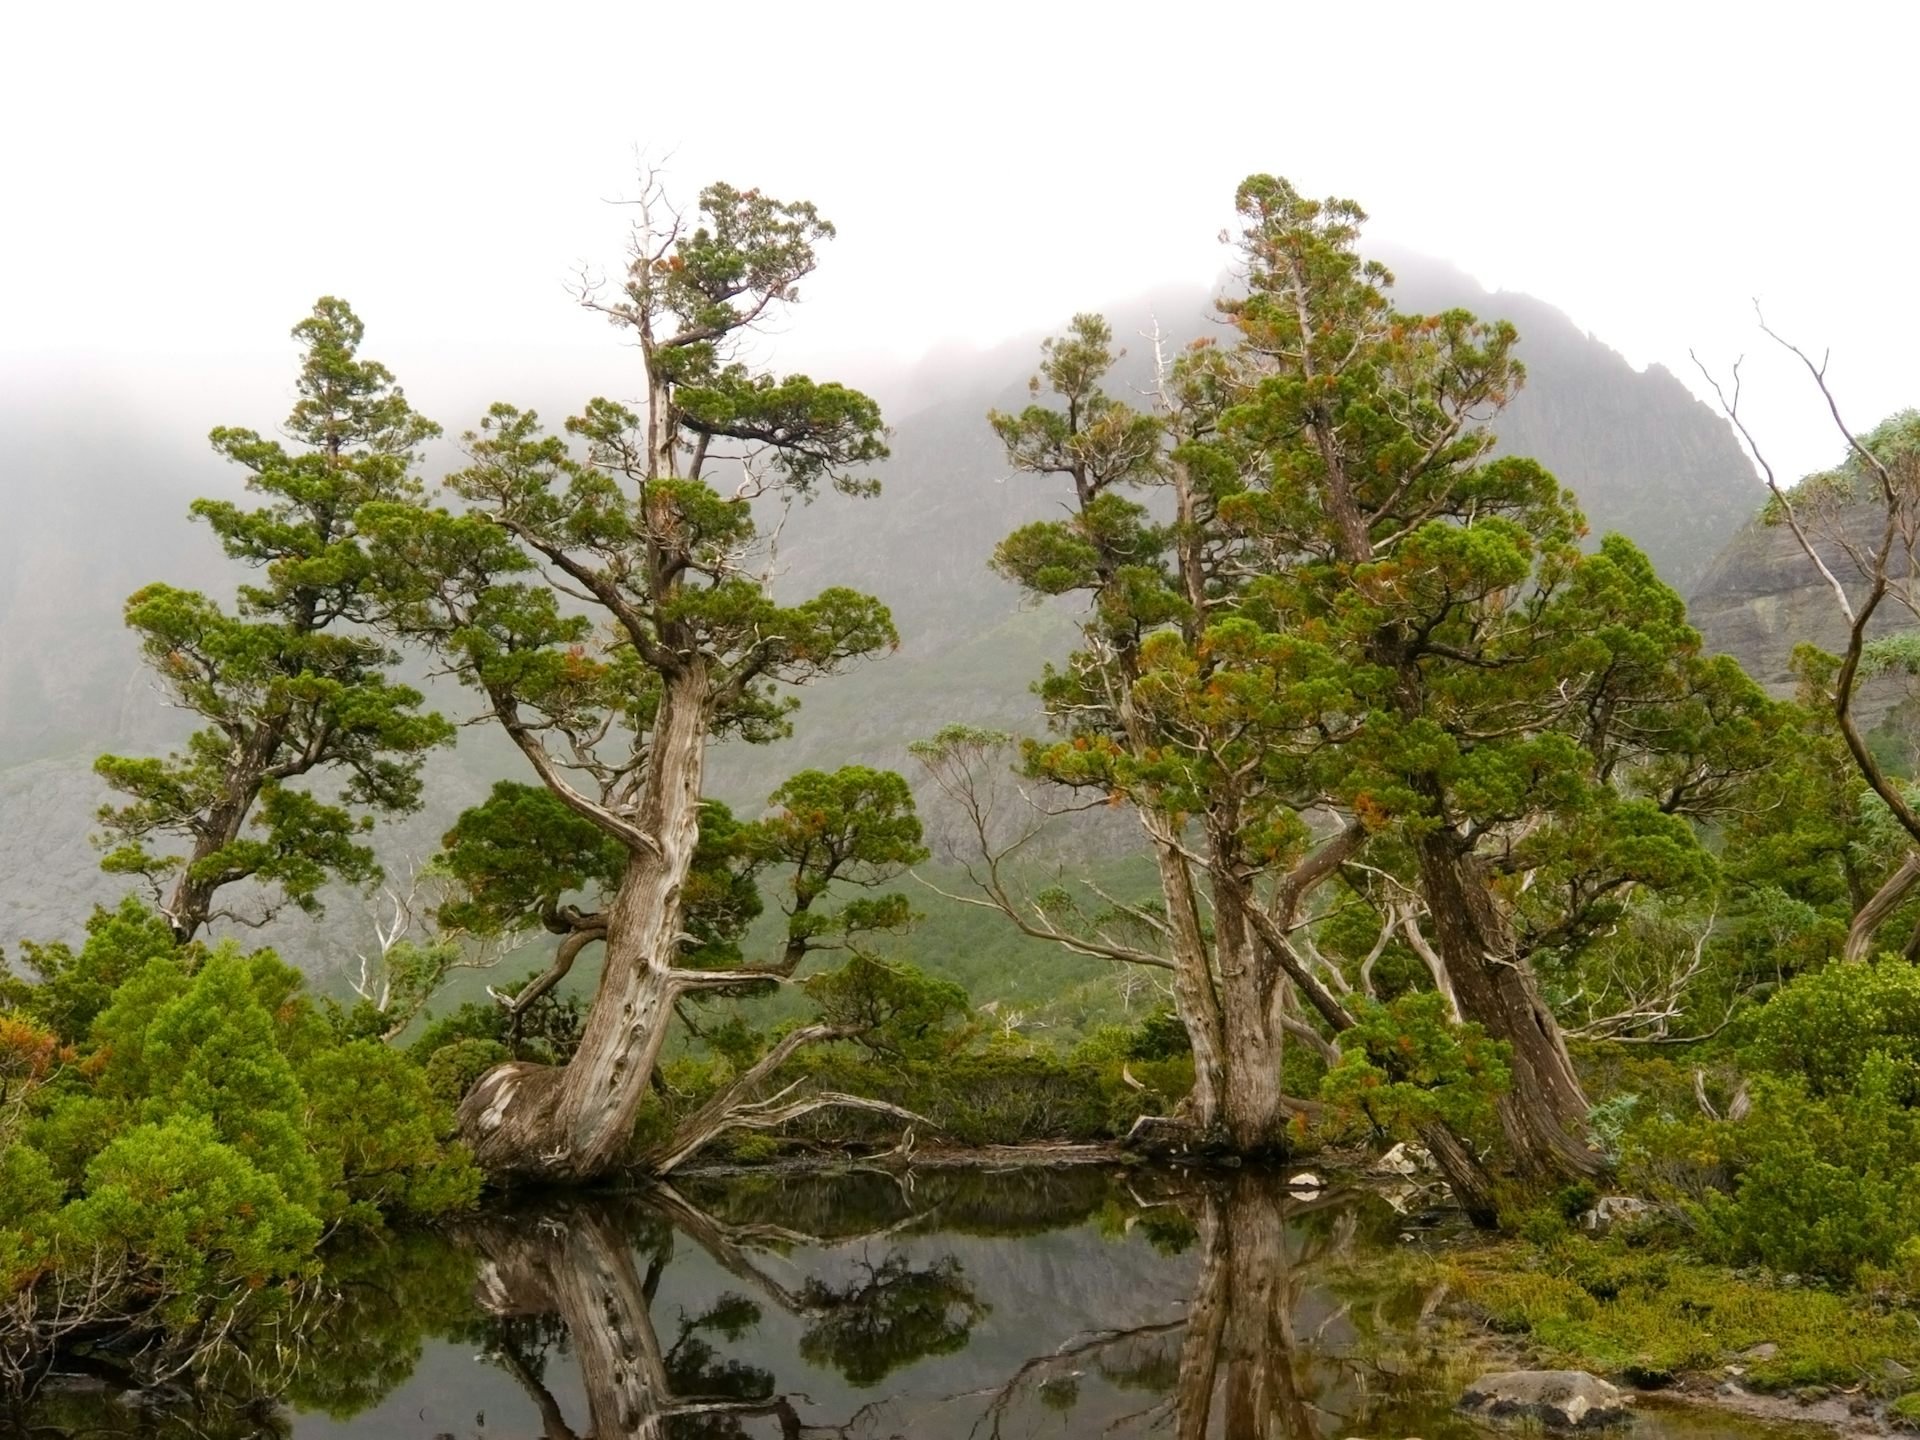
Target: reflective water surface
x,y
1062,1302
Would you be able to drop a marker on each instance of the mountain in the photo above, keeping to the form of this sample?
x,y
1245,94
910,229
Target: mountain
x,y
1761,598
94,511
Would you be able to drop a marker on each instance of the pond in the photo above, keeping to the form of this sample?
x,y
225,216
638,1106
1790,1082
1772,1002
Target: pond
x,y
946,1303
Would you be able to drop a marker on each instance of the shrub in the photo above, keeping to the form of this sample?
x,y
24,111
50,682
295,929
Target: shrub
x,y
188,1220
377,1132
1822,1027
1826,1185
74,987
1407,1064
188,1153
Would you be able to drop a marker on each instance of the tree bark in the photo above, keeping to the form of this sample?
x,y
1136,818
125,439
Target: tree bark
x,y
190,905
1195,999
1257,1109
571,1123
1544,1112
1472,1186
1875,913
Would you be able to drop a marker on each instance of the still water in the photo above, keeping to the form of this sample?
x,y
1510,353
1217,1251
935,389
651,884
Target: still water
x,y
978,1304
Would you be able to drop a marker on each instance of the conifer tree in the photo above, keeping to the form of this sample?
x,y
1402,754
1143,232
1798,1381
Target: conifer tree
x,y
1352,650
307,736
604,593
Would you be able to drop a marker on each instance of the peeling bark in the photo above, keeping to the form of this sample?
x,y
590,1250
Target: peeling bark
x,y
1544,1112
571,1122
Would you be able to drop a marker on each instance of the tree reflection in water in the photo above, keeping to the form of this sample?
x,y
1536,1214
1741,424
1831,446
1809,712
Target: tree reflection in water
x,y
1260,1348
580,1263
1263,1349
1248,1312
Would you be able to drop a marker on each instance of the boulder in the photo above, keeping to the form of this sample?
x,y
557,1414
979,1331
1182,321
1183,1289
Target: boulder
x,y
1404,1160
1558,1399
1610,1210
1305,1181
1402,1195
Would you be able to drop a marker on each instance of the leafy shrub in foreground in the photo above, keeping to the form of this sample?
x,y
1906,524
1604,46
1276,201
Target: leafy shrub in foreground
x,y
187,1151
1826,1184
185,1217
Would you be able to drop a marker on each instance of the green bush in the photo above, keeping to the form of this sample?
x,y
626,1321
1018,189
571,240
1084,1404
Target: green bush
x,y
1822,1027
1825,1185
377,1128
187,1219
1407,1064
187,1152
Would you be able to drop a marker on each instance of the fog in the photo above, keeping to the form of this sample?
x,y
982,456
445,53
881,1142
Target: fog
x,y
182,181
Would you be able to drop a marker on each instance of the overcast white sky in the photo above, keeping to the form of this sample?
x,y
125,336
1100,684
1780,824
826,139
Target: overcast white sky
x,y
180,181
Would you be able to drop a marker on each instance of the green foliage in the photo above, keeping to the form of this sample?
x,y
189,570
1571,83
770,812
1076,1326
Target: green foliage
x,y
1818,1173
854,827
189,1219
291,686
514,857
547,1033
600,589
180,1163
378,1130
1407,1064
1824,1186
994,1095
71,988
1827,1027
30,1192
892,1009
1802,864
211,1051
453,1068
1158,1036
1651,1316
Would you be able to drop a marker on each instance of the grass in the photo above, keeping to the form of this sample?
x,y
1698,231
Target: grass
x,y
1653,1316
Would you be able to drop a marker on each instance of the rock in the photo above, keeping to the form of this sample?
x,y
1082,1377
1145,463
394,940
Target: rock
x,y
1403,1160
1610,1210
1401,1195
1758,1353
1560,1399
1305,1180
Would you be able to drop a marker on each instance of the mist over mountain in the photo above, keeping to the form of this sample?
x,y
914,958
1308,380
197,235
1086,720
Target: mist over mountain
x,y
96,508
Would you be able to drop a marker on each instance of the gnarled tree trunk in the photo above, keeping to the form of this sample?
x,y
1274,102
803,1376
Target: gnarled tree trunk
x,y
1872,915
1195,998
1544,1112
1257,1109
571,1122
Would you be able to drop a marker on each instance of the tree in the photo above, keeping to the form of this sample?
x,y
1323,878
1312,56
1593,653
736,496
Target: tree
x,y
1858,525
606,606
1352,653
291,684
